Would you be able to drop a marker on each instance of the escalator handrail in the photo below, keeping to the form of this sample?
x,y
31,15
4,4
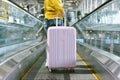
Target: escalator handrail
x,y
16,5
95,10
20,51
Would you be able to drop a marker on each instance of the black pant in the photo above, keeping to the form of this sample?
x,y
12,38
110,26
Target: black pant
x,y
52,22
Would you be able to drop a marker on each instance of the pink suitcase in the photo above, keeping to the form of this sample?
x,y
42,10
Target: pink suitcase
x,y
61,47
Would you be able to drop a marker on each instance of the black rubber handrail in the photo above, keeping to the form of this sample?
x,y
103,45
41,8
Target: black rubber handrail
x,y
98,8
24,10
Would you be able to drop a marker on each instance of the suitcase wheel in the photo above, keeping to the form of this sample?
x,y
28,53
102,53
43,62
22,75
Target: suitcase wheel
x,y
69,68
50,70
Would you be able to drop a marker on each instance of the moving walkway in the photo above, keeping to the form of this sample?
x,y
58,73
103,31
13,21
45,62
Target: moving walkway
x,y
23,43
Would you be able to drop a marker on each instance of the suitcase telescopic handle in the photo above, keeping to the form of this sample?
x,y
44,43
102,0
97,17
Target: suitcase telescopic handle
x,y
57,17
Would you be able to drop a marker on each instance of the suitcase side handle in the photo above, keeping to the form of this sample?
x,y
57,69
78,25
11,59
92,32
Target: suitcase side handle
x,y
57,17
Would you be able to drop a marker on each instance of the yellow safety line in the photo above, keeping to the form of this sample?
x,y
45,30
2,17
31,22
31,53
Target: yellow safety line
x,y
96,76
25,75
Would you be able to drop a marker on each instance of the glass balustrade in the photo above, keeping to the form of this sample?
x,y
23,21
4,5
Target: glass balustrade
x,y
101,29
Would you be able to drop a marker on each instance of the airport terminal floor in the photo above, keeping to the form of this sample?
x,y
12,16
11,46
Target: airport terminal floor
x,y
90,51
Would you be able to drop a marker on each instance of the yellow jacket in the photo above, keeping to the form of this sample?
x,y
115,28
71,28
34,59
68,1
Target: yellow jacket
x,y
52,8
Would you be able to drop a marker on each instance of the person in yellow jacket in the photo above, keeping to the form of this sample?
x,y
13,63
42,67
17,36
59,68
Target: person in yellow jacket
x,y
53,8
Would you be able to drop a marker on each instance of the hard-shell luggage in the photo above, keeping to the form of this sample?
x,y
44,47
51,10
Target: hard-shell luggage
x,y
61,47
